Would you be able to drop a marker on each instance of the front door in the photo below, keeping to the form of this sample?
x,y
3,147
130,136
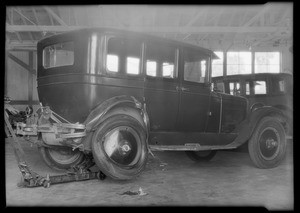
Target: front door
x,y
194,92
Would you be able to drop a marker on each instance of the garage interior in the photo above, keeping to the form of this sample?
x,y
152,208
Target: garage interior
x,y
170,178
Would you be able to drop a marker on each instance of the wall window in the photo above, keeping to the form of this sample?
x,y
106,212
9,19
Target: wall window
x,y
57,55
238,63
217,65
260,87
123,55
267,62
160,61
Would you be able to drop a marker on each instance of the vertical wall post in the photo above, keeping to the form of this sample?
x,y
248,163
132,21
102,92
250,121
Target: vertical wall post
x,y
225,63
6,73
30,77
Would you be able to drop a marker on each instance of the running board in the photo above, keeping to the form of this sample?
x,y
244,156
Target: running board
x,y
188,147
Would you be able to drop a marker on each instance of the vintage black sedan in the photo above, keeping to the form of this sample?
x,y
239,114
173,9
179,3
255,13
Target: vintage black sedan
x,y
118,95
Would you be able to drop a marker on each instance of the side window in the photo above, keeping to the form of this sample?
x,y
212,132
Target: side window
x,y
195,67
260,87
112,63
234,88
281,85
247,88
160,61
123,55
220,86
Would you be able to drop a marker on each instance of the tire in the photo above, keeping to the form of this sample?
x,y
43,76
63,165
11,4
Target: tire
x,y
267,145
126,157
200,156
61,158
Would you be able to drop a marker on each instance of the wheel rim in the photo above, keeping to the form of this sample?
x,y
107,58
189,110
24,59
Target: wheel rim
x,y
64,156
122,146
269,143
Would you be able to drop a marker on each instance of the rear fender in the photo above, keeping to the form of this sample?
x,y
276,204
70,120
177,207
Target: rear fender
x,y
246,128
116,105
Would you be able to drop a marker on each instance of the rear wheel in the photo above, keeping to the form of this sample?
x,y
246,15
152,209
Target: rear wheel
x,y
119,147
61,158
199,156
267,146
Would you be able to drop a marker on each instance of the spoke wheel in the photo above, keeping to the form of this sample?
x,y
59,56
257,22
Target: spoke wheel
x,y
119,147
199,156
61,158
267,145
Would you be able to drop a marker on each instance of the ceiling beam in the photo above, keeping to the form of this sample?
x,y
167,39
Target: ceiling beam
x,y
257,15
55,16
24,22
152,29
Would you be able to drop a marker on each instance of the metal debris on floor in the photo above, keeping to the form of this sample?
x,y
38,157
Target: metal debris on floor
x,y
131,193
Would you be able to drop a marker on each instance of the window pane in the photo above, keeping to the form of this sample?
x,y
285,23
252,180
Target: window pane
x,y
126,55
281,86
232,58
261,68
168,70
238,63
274,69
133,65
112,63
195,67
160,61
247,88
232,69
260,87
244,69
220,86
217,70
217,65
267,62
192,72
57,55
273,58
151,67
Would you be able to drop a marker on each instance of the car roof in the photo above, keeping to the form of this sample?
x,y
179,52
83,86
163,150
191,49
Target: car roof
x,y
252,76
79,32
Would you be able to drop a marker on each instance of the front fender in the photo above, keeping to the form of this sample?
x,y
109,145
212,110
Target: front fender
x,y
246,128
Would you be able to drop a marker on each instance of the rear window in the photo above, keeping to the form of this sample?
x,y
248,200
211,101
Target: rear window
x,y
57,55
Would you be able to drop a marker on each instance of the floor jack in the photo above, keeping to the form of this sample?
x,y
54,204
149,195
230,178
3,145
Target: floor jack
x,y
32,179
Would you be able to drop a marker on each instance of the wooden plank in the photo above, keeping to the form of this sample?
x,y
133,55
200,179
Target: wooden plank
x,y
21,63
24,102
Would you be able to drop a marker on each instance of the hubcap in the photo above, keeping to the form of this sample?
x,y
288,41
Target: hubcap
x,y
269,143
121,145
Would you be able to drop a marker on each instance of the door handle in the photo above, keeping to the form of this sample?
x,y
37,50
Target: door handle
x,y
184,89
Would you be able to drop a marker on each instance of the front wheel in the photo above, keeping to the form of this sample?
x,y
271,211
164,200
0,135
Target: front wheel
x,y
119,147
61,158
199,156
267,146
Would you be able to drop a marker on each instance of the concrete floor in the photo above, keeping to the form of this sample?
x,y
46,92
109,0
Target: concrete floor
x,y
171,178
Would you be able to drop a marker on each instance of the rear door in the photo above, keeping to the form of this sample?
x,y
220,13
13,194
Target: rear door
x,y
161,86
